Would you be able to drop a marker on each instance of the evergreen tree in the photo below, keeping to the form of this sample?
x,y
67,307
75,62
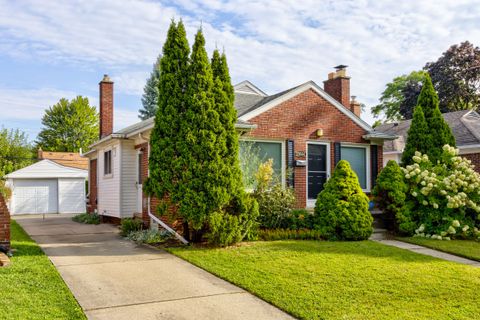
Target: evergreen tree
x,y
440,134
418,139
341,210
165,163
150,93
428,98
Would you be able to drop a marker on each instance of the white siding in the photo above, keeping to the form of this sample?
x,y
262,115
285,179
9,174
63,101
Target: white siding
x,y
128,187
109,186
71,195
391,156
34,196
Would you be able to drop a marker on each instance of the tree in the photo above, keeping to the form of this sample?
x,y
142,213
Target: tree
x,y
456,77
15,153
341,210
150,93
69,126
166,162
400,97
418,138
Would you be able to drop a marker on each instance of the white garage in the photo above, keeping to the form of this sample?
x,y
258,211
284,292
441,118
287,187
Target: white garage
x,y
47,187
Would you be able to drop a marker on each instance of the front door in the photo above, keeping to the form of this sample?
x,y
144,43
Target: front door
x,y
139,182
317,168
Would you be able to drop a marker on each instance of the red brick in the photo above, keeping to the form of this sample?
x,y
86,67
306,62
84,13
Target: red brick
x,y
93,186
106,107
475,158
4,224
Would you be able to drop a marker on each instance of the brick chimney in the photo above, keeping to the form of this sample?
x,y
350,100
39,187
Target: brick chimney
x,y
106,106
355,106
338,85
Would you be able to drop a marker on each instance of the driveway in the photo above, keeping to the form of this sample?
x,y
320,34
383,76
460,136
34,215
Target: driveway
x,y
113,278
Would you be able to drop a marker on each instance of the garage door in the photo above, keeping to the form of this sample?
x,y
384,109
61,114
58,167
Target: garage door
x,y
35,196
72,195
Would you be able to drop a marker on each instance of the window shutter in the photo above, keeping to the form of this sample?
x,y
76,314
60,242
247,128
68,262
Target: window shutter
x,y
290,163
337,152
374,157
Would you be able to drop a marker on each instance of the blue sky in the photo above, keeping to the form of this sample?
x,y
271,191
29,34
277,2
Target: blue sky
x,y
54,49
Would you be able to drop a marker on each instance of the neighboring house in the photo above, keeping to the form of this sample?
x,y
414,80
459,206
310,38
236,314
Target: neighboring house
x,y
47,187
306,130
67,159
465,127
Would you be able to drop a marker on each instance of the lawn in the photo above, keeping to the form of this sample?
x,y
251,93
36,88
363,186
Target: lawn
x,y
345,280
30,287
464,248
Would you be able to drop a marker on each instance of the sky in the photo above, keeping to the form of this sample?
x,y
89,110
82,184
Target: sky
x,y
53,49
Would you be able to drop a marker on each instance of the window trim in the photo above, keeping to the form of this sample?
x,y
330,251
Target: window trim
x,y
110,174
311,202
283,151
367,162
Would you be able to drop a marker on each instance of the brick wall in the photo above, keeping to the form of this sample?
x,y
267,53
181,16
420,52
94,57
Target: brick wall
x,y
4,224
339,88
92,182
475,158
298,119
106,107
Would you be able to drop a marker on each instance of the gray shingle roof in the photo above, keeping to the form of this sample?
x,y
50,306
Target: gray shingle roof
x,y
465,125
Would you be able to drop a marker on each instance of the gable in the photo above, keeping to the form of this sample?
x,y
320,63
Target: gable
x,y
47,169
302,115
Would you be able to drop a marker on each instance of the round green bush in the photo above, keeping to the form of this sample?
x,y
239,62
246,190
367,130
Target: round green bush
x,y
341,210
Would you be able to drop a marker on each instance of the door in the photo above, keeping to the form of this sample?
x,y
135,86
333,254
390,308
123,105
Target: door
x,y
318,170
72,195
139,182
32,196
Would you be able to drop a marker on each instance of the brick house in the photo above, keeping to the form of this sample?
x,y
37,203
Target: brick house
x,y
306,130
465,125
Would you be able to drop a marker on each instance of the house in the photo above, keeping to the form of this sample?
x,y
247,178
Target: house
x,y
47,187
306,130
465,125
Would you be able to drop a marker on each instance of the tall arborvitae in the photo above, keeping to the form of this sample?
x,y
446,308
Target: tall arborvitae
x,y
428,98
418,139
150,93
206,178
165,162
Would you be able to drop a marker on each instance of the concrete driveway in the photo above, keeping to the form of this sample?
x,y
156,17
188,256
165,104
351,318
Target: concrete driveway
x,y
113,278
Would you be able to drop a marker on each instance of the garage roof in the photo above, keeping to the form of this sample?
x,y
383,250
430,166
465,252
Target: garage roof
x,y
46,169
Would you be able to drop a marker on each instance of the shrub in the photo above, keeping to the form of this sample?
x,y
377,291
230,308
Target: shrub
x,y
439,194
285,234
390,191
274,201
5,191
298,219
128,225
87,218
149,236
341,209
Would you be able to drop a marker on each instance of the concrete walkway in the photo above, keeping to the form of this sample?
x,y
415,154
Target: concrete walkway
x,y
429,252
113,278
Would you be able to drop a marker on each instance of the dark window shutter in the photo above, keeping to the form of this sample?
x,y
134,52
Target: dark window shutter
x,y
290,163
337,152
374,157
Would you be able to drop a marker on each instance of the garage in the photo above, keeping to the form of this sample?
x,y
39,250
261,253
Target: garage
x,y
47,187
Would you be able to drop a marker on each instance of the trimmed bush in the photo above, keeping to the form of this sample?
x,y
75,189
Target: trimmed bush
x,y
298,219
87,218
129,225
390,192
341,209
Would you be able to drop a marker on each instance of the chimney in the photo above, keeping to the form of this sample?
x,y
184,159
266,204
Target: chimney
x,y
40,154
106,106
338,85
355,106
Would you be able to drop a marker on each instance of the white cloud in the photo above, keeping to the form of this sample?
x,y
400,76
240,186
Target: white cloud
x,y
276,44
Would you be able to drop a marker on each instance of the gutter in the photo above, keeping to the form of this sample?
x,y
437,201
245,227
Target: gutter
x,y
165,226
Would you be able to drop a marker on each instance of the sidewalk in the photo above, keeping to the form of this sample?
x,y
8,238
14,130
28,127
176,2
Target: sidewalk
x,y
429,252
113,278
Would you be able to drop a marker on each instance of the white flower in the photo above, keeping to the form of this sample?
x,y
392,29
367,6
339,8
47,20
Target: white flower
x,y
455,223
451,230
465,228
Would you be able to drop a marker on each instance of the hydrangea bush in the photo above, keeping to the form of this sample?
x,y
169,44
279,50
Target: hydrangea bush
x,y
443,197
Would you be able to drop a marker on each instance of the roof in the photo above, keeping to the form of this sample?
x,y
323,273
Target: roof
x,y
47,169
68,159
465,125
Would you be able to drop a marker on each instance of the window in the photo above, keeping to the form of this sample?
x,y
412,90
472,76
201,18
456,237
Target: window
x,y
264,150
140,168
107,162
357,157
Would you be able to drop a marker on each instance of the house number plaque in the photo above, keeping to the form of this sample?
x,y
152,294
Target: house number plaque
x,y
300,154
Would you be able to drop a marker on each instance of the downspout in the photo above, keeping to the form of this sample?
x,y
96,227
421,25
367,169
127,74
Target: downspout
x,y
165,226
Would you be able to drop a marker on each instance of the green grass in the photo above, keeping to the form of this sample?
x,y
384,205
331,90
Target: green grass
x,y
345,280
464,248
30,287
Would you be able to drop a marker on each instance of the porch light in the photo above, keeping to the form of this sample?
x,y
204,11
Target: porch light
x,y
319,132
